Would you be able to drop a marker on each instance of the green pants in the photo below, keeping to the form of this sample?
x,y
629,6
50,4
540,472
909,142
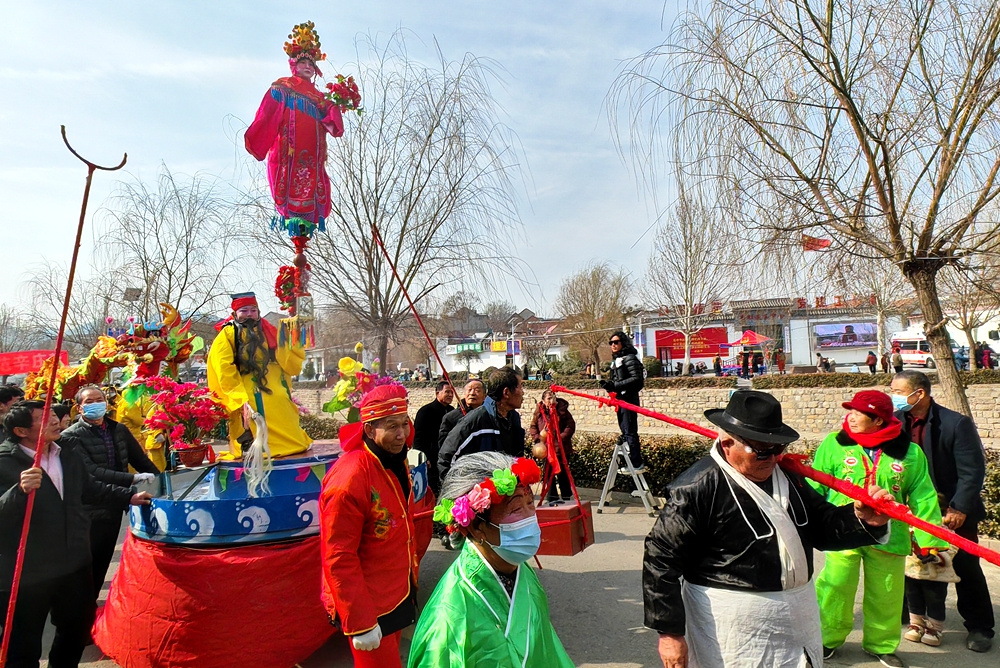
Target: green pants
x,y
882,607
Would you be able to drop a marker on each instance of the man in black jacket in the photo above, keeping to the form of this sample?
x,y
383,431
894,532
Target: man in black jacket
x,y
493,427
627,378
107,449
57,576
427,425
473,396
957,466
737,535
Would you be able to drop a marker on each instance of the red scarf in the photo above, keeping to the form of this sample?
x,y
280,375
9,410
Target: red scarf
x,y
878,438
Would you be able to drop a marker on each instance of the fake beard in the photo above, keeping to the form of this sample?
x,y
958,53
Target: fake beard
x,y
252,353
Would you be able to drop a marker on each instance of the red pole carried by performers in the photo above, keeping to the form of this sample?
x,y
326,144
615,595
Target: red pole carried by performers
x,y
19,562
796,464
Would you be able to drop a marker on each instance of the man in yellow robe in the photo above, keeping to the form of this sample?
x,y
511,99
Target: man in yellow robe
x,y
247,367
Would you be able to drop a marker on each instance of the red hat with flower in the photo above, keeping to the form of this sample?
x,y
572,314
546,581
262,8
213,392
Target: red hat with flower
x,y
304,43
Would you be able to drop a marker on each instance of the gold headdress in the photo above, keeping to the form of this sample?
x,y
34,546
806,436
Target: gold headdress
x,y
304,43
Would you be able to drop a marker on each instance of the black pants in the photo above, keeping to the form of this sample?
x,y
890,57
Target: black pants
x,y
561,480
926,598
70,600
628,422
974,602
871,367
103,539
897,369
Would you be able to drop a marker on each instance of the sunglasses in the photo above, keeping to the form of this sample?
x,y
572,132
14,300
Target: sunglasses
x,y
614,341
763,451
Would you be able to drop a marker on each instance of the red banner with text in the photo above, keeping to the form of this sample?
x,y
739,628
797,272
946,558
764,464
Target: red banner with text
x,y
26,361
708,342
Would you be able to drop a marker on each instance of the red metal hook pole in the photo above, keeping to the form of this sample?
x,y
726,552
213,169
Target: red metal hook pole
x,y
413,307
19,563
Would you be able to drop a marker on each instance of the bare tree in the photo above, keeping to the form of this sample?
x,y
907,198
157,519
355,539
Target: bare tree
x,y
594,302
535,351
971,299
877,121
431,168
177,244
686,266
498,315
19,331
44,286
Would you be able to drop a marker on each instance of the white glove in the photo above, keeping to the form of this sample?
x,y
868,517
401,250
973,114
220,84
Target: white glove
x,y
143,477
367,642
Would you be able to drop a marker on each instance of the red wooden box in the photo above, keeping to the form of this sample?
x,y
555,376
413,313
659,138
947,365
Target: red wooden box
x,y
566,529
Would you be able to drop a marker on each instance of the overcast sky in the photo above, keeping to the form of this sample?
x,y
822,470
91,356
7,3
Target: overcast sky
x,y
171,82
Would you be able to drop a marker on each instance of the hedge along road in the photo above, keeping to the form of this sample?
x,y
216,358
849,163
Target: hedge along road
x,y
595,600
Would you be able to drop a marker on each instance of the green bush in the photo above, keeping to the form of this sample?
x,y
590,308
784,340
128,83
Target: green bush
x,y
977,377
991,495
666,458
776,381
654,367
319,427
309,385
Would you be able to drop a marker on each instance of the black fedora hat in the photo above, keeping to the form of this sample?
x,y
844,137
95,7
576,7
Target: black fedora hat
x,y
753,415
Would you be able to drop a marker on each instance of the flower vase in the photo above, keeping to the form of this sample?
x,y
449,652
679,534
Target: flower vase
x,y
191,457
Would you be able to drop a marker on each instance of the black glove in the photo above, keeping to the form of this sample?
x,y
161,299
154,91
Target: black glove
x,y
608,386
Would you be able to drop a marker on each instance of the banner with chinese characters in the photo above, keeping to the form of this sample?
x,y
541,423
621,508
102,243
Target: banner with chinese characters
x,y
26,361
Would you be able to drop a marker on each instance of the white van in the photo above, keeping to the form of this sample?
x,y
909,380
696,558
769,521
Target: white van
x,y
914,348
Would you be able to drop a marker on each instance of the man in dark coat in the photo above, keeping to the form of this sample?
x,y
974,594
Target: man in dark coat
x,y
474,394
56,578
626,380
737,535
493,427
426,426
958,468
107,449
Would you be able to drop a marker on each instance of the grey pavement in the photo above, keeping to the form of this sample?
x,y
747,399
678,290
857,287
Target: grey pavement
x,y
595,599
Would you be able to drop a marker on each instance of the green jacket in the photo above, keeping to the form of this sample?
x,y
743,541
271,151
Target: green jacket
x,y
470,620
902,470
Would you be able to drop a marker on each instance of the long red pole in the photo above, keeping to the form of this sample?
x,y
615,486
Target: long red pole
x,y
416,314
19,563
796,464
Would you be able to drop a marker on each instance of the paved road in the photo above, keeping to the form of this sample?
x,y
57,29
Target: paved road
x,y
596,606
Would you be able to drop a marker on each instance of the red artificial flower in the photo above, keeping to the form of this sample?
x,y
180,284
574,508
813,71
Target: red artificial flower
x,y
526,470
492,489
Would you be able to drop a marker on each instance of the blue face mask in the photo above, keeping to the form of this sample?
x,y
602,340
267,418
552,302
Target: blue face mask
x,y
519,541
94,411
902,403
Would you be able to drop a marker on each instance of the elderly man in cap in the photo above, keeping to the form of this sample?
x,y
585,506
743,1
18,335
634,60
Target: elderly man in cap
x,y
727,570
366,531
250,371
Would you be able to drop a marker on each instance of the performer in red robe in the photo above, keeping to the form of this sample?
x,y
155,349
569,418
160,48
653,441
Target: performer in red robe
x,y
370,551
290,130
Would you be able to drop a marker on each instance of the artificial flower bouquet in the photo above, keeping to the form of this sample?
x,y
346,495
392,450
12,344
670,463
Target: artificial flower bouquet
x,y
344,94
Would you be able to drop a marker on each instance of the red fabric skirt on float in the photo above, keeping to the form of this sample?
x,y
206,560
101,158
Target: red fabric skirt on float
x,y
239,607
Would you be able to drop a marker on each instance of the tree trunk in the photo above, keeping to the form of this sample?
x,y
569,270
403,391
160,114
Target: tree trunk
x,y
951,393
973,362
687,354
880,331
383,354
596,358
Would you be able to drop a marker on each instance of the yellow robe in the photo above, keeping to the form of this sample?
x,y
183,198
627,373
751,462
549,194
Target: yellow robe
x,y
133,417
285,436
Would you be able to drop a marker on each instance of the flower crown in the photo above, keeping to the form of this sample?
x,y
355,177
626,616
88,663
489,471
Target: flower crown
x,y
492,490
305,43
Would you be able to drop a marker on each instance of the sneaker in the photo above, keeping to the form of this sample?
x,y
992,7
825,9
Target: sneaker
x,y
890,660
914,633
978,641
446,542
931,637
828,652
638,469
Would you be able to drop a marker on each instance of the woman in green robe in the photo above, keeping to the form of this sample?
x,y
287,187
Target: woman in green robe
x,y
489,608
